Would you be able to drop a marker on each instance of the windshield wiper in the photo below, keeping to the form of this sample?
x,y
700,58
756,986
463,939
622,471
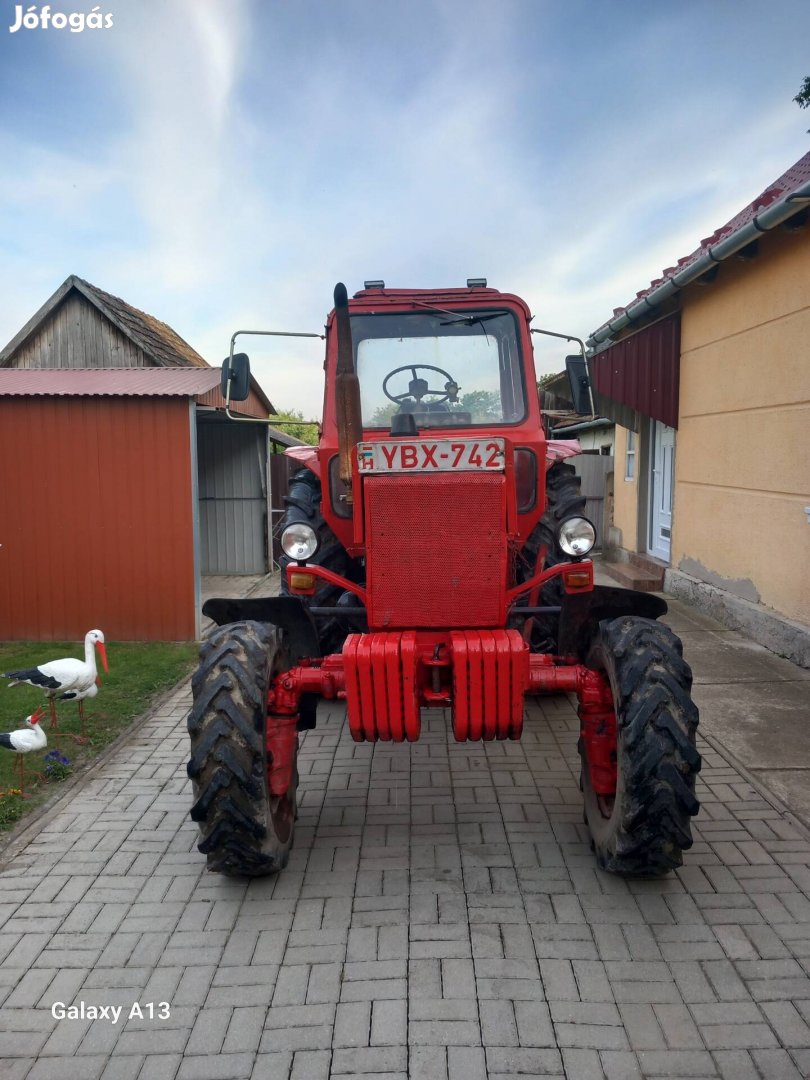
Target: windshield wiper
x,y
469,320
455,317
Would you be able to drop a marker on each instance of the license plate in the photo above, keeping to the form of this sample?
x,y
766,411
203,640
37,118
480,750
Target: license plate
x,y
431,455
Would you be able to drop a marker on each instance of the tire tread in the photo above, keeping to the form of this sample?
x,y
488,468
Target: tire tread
x,y
227,764
657,723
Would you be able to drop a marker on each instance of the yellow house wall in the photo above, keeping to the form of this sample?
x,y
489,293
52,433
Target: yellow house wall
x,y
742,459
625,492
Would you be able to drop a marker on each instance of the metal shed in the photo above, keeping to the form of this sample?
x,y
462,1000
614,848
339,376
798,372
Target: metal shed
x,y
121,486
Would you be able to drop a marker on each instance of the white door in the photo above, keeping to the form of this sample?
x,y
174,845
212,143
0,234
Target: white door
x,y
662,482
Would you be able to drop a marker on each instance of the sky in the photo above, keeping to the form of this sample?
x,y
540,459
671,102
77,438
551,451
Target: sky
x,y
222,163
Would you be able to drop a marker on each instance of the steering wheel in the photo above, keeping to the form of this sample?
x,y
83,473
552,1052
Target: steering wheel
x,y
418,388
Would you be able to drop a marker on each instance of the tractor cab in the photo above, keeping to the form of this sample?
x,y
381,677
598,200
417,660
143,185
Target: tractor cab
x,y
455,358
441,368
447,402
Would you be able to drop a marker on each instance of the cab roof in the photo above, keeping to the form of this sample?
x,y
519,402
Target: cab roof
x,y
475,295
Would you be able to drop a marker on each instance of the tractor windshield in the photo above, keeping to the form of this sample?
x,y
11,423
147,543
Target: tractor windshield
x,y
448,369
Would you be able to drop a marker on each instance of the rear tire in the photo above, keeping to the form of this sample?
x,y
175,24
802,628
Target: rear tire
x,y
563,500
244,831
646,826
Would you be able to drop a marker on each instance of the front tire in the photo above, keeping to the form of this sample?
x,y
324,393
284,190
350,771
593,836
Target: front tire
x,y
244,831
646,825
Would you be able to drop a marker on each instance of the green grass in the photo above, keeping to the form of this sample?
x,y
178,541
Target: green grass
x,y
139,671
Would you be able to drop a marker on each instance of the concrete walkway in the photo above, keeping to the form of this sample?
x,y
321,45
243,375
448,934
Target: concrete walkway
x,y
755,704
441,917
214,585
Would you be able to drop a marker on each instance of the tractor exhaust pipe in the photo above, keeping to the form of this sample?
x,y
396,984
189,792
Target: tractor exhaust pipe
x,y
347,389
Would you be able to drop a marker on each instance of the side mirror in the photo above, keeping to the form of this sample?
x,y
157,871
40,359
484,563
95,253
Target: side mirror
x,y
579,382
236,371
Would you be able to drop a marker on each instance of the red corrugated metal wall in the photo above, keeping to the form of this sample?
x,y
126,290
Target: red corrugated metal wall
x,y
643,370
252,406
96,519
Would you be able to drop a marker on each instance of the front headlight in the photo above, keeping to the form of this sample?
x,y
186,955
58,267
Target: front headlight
x,y
299,542
576,536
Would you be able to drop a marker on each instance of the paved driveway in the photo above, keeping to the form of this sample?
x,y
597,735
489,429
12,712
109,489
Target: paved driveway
x,y
441,917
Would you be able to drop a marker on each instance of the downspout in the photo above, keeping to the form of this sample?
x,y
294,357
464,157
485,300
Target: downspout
x,y
769,219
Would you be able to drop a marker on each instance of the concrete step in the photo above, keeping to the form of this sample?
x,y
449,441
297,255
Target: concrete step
x,y
649,563
634,577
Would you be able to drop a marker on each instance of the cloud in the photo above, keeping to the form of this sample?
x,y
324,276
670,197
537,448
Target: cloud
x,y
635,224
176,148
248,155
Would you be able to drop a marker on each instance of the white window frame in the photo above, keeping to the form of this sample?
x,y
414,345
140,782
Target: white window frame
x,y
630,457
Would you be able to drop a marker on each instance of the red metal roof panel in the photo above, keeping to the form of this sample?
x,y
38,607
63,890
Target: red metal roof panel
x,y
643,371
200,383
107,382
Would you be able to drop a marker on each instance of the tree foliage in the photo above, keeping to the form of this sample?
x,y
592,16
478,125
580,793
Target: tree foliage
x,y
285,420
802,99
544,380
483,406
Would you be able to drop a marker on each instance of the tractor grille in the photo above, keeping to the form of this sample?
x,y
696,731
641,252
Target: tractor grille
x,y
436,550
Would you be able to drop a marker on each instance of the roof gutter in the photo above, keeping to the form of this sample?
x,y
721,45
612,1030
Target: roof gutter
x,y
769,219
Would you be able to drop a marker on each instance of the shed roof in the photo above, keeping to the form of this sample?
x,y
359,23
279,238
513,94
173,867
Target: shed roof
x,y
283,438
107,382
199,383
789,189
162,344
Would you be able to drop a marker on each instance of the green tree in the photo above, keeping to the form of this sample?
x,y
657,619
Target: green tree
x,y
544,380
292,422
483,406
381,416
802,99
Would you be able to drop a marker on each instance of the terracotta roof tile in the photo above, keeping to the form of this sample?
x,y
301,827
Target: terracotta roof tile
x,y
794,178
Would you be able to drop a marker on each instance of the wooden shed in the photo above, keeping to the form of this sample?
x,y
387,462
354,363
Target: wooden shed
x,y
123,481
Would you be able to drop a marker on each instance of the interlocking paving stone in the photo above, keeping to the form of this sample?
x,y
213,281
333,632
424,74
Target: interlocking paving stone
x,y
441,916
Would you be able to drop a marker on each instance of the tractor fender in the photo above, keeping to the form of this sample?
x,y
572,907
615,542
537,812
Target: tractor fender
x,y
305,455
581,613
286,612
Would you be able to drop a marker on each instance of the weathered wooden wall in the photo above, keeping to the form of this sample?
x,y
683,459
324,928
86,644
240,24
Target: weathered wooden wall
x,y
77,335
281,469
593,469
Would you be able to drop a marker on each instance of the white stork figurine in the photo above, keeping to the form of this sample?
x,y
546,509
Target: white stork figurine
x,y
80,695
23,741
58,677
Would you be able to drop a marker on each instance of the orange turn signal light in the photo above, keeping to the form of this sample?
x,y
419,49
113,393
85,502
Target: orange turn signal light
x,y
577,579
300,581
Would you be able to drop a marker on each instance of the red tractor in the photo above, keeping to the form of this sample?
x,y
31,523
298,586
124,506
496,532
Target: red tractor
x,y
436,558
